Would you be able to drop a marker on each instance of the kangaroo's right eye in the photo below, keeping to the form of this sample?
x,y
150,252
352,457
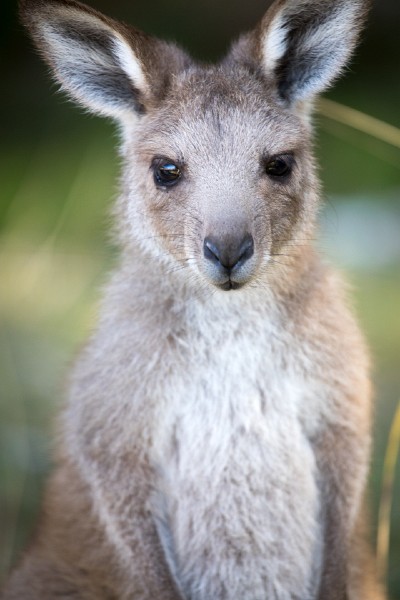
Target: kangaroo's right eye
x,y
166,172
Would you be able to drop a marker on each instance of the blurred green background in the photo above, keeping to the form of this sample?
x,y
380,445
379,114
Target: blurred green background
x,y
58,179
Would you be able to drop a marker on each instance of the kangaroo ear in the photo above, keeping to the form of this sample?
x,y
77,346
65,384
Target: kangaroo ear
x,y
304,44
106,66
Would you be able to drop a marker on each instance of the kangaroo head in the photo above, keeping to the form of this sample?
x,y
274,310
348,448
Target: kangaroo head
x,y
218,168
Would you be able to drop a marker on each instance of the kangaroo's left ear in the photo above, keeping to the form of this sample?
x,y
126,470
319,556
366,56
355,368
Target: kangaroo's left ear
x,y
303,44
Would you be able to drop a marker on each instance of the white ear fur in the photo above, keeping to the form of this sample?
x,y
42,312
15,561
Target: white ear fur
x,y
93,62
274,44
306,43
130,64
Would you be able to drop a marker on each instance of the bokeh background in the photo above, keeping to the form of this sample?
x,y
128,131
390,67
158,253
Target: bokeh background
x,y
58,178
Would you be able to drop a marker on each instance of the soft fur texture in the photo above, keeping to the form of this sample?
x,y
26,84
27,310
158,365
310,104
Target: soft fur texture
x,y
215,444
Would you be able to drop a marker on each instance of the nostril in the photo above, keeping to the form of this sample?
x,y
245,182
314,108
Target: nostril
x,y
211,251
246,249
229,253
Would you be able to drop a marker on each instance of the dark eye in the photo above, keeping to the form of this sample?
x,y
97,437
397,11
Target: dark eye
x,y
166,172
279,166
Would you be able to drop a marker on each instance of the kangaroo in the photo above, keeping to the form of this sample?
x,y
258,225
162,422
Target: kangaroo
x,y
216,438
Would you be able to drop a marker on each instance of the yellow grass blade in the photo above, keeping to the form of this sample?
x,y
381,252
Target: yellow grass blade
x,y
385,506
360,121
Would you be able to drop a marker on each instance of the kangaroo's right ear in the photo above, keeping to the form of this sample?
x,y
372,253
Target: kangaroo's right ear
x,y
108,67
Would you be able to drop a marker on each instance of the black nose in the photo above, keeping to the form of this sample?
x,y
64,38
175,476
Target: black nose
x,y
229,253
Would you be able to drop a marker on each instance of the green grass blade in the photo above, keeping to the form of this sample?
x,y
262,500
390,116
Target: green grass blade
x,y
358,120
386,501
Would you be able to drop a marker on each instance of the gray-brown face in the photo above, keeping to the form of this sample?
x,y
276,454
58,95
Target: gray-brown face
x,y
225,175
218,170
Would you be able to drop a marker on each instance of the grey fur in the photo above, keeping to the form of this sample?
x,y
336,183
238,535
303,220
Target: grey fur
x,y
214,444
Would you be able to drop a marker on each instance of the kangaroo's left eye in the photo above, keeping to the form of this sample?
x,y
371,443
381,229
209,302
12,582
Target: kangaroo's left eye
x,y
279,166
166,172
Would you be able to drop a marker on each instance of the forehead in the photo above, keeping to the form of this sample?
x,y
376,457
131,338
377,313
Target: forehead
x,y
210,111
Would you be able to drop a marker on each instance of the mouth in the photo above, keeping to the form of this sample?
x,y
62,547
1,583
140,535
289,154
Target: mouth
x,y
229,285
